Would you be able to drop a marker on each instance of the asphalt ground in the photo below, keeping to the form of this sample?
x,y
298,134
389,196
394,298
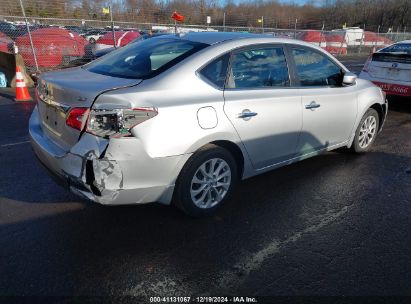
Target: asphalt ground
x,y
334,225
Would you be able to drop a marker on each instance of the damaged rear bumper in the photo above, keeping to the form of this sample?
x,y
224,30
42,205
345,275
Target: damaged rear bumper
x,y
113,172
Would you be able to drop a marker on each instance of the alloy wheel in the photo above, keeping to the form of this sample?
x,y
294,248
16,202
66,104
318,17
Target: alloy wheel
x,y
367,132
210,183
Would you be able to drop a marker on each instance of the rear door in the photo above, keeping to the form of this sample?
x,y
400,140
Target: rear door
x,y
261,106
329,109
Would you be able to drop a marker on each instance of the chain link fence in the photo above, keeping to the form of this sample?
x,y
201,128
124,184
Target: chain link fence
x,y
48,43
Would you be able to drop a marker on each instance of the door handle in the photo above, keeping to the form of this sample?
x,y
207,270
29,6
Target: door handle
x,y
247,114
312,105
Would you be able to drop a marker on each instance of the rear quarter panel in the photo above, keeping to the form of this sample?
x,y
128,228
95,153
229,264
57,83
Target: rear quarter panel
x,y
176,129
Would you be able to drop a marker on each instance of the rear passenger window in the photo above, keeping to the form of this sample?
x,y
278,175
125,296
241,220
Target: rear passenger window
x,y
216,71
258,68
315,69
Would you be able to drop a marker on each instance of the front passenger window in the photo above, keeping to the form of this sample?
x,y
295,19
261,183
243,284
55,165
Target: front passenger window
x,y
315,69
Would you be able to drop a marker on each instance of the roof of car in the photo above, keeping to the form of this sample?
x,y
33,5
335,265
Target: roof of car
x,y
215,37
237,39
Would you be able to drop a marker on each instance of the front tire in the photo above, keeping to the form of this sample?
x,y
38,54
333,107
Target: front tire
x,y
366,132
206,181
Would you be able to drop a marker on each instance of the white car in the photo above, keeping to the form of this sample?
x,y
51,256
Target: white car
x,y
93,35
390,69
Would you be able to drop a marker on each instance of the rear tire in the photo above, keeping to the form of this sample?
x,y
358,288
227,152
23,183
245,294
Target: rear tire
x,y
206,181
366,132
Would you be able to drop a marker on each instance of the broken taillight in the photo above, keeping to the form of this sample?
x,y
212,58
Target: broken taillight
x,y
77,118
117,122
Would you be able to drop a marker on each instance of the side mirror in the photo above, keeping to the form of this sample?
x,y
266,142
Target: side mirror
x,y
349,78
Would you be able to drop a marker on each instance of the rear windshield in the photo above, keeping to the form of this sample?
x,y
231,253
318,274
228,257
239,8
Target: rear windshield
x,y
145,59
398,48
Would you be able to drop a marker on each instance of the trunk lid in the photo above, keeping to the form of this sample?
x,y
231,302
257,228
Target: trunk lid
x,y
59,92
391,66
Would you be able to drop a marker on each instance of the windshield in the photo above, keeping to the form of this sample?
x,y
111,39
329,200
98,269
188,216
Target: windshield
x,y
145,59
398,48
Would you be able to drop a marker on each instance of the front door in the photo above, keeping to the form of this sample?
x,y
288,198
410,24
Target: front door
x,y
329,108
263,109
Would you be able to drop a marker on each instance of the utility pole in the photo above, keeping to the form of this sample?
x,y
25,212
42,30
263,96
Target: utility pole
x,y
112,26
224,22
295,28
175,26
376,43
362,40
30,38
322,34
262,24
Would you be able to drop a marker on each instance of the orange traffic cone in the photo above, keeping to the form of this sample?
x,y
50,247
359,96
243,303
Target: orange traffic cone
x,y
22,93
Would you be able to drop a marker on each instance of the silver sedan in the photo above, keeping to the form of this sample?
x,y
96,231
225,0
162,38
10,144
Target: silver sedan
x,y
182,118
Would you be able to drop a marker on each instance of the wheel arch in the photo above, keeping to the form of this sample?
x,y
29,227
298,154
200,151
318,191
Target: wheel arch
x,y
381,110
235,151
180,197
